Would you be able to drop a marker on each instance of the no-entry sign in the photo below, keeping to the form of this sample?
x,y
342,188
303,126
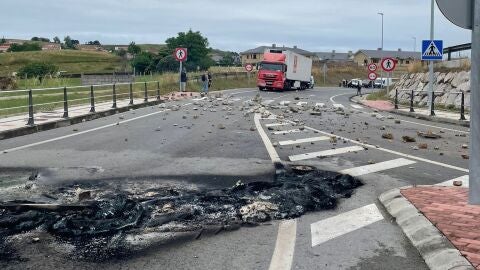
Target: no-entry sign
x,y
388,64
372,76
248,67
180,54
372,67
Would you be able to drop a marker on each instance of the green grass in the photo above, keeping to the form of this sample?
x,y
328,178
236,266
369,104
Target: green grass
x,y
71,61
379,95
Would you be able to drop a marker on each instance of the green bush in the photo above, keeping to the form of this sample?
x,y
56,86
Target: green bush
x,y
26,47
37,69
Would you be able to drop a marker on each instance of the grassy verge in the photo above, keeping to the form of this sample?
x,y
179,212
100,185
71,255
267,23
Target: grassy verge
x,y
49,100
379,95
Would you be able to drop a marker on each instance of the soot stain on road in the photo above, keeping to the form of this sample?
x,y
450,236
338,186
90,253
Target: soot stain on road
x,y
97,229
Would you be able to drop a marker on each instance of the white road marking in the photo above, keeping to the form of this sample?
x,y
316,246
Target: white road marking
x,y
382,166
307,140
356,106
325,153
449,183
425,125
243,92
331,98
277,124
285,246
287,131
390,151
337,105
266,141
330,228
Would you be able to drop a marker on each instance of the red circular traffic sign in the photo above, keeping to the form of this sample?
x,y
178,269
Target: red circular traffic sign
x,y
248,67
372,67
180,54
372,76
388,64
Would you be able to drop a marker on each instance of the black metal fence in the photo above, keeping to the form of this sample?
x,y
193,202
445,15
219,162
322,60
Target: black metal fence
x,y
462,109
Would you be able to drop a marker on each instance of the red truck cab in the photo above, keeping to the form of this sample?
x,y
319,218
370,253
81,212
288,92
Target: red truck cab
x,y
271,73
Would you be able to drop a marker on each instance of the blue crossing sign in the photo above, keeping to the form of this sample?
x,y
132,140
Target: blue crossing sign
x,y
432,50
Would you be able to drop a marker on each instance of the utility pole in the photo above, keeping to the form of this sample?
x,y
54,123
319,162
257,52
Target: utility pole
x,y
430,91
381,55
474,177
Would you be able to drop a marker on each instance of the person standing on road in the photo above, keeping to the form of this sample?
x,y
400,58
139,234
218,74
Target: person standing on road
x,y
205,82
183,80
209,79
359,89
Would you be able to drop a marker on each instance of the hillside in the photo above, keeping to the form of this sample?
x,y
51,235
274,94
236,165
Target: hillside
x,y
70,61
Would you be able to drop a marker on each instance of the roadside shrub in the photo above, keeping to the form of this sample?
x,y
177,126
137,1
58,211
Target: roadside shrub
x,y
26,47
37,69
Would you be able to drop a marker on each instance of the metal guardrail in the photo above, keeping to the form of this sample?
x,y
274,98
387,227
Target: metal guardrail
x,y
87,96
432,108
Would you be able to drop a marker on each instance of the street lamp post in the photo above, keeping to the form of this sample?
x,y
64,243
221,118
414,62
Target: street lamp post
x,y
381,54
414,44
431,75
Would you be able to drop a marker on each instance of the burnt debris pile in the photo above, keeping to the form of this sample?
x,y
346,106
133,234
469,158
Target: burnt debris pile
x,y
171,210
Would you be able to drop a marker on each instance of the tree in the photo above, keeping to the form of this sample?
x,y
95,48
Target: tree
x,y
57,40
37,69
25,47
143,62
197,47
42,39
70,43
3,40
134,48
96,42
228,60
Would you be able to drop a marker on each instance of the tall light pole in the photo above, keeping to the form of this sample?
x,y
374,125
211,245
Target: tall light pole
x,y
414,44
381,54
430,91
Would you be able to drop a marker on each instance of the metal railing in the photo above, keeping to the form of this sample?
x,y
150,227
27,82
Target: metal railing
x,y
75,98
412,104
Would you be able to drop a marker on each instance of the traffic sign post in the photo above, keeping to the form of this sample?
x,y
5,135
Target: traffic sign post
x,y
388,64
372,67
466,14
248,68
432,50
372,76
180,55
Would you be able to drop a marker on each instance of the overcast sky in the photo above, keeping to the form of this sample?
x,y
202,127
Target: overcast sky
x,y
315,25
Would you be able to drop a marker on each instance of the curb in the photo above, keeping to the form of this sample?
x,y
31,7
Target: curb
x,y
437,251
420,116
71,121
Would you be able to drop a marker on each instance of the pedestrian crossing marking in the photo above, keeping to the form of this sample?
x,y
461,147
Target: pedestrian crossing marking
x,y
277,125
326,153
330,228
286,131
307,140
382,166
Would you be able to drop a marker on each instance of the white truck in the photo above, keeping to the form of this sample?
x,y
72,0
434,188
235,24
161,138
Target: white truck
x,y
282,70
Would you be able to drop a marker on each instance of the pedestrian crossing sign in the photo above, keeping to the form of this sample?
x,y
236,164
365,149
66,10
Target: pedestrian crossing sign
x,y
432,50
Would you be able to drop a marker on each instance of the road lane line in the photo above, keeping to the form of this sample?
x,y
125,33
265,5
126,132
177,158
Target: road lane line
x,y
286,131
266,140
449,183
325,153
333,101
82,132
378,167
356,106
277,125
307,140
285,246
330,228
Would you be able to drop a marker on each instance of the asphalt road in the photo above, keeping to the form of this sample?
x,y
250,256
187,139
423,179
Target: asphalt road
x,y
172,147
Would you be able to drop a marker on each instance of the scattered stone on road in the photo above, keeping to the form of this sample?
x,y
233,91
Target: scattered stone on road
x,y
388,136
408,139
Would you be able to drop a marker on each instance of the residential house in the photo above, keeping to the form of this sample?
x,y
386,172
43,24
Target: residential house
x,y
4,47
404,58
87,47
254,56
333,56
51,47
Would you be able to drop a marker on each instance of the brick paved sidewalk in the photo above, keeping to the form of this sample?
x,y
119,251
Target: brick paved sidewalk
x,y
447,208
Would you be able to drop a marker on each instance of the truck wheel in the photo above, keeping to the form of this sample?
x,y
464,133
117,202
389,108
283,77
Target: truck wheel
x,y
261,88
